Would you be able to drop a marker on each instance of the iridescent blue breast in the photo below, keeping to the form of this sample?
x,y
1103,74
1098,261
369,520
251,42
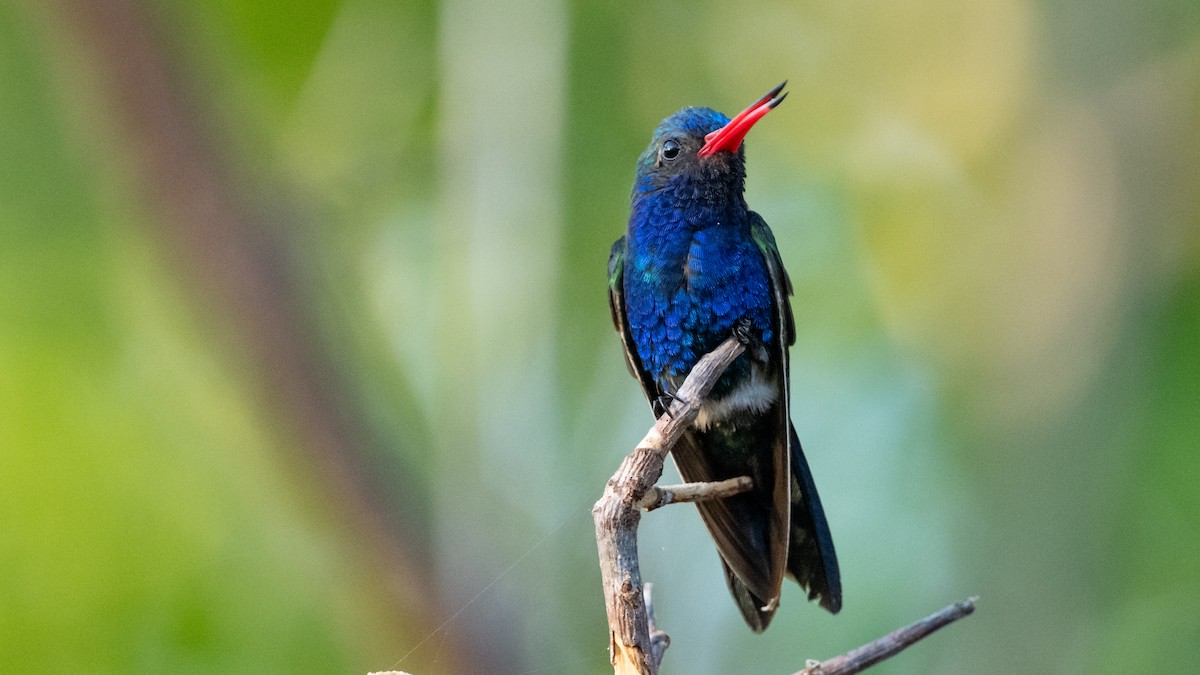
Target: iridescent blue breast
x,y
686,290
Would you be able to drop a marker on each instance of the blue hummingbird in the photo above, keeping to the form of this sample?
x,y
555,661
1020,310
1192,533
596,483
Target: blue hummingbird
x,y
695,266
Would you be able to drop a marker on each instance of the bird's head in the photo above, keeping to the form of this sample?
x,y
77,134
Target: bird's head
x,y
701,144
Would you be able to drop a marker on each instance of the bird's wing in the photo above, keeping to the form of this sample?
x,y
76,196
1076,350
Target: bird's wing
x,y
780,283
752,530
811,560
616,303
781,446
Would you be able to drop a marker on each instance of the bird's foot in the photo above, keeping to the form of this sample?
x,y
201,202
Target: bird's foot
x,y
743,331
662,405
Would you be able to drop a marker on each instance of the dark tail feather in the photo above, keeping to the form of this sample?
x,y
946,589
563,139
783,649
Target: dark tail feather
x,y
754,609
812,562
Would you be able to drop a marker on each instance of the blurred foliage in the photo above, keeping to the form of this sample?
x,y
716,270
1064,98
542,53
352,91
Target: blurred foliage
x,y
988,208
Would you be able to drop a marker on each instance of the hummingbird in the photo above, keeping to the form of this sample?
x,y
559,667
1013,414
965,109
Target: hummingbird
x,y
695,266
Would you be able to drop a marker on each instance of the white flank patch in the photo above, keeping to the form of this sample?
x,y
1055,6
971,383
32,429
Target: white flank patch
x,y
753,396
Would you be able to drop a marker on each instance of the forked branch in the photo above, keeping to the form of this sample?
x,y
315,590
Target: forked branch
x,y
618,512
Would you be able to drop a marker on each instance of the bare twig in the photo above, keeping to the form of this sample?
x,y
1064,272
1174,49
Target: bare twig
x,y
658,497
616,517
659,641
858,660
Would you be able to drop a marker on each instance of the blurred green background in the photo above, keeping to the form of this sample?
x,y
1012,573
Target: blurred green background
x,y
306,363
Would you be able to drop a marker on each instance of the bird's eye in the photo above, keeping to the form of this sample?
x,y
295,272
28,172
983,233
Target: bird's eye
x,y
670,149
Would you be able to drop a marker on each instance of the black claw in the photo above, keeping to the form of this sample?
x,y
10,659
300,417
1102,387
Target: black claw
x,y
743,330
662,405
